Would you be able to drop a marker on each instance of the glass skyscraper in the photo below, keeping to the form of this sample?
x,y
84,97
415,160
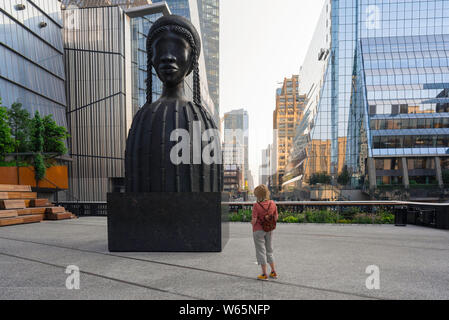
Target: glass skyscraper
x,y
205,15
140,26
209,12
236,143
376,119
31,57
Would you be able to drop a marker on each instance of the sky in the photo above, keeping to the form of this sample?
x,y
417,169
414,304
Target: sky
x,y
261,43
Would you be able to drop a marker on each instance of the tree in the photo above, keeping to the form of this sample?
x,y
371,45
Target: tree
x,y
20,123
37,133
7,144
37,146
40,170
54,136
320,178
344,178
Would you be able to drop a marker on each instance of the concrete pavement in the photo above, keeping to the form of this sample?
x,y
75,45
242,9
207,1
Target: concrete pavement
x,y
314,262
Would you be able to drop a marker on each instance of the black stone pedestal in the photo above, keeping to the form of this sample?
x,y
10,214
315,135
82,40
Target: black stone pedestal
x,y
166,222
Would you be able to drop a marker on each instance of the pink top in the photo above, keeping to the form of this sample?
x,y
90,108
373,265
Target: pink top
x,y
260,213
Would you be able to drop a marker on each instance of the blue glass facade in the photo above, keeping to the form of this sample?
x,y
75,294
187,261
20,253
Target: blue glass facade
x,y
31,57
380,109
209,13
205,16
140,28
178,7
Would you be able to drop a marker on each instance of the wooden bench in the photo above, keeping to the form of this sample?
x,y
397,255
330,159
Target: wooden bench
x,y
21,220
13,187
12,204
19,205
11,195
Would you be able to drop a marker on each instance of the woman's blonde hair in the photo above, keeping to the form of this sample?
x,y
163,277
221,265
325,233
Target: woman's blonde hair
x,y
262,193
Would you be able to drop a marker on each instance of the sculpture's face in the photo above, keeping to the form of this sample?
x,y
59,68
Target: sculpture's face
x,y
172,58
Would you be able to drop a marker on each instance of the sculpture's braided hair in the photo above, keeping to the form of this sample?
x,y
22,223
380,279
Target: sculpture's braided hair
x,y
195,65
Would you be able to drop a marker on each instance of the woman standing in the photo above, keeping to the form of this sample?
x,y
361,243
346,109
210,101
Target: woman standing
x,y
262,239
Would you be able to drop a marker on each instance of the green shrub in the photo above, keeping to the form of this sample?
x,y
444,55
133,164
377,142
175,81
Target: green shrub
x,y
283,214
349,216
14,164
235,217
301,217
386,217
7,143
290,219
243,215
322,216
350,213
363,218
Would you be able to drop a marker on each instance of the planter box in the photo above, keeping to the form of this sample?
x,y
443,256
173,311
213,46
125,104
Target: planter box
x,y
58,175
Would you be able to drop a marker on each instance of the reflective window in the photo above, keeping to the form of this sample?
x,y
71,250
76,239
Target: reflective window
x,y
31,57
383,92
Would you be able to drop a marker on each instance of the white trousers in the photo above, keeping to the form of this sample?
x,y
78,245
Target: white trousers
x,y
264,247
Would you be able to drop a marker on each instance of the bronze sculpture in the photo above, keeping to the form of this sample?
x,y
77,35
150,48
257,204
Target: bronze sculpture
x,y
173,48
173,201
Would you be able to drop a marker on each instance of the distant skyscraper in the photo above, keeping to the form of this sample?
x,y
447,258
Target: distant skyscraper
x,y
232,182
236,139
288,113
265,167
250,182
209,11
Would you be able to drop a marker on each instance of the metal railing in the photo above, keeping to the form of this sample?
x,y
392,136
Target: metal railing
x,y
434,215
346,203
424,214
86,209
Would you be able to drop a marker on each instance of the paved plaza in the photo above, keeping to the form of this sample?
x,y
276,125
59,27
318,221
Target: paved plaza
x,y
314,262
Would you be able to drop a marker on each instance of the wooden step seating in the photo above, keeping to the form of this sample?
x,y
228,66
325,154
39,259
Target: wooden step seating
x,y
57,213
18,195
19,205
38,203
12,204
